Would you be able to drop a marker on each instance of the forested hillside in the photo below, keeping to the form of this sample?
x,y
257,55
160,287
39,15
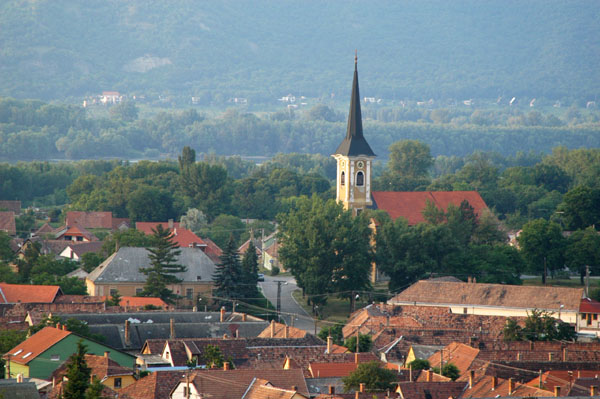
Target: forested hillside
x,y
262,50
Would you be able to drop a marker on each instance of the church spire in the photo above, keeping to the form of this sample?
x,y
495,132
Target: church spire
x,y
354,143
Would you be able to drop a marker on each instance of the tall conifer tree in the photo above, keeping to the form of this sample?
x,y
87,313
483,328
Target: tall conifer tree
x,y
78,374
250,271
228,275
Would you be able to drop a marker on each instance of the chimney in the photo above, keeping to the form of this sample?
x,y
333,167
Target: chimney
x,y
511,386
53,381
244,317
237,333
429,374
127,334
361,387
494,382
474,280
518,356
550,356
387,321
172,325
471,378
64,327
564,354
329,343
286,333
170,224
294,388
58,326
356,358
557,390
530,345
541,382
469,279
222,314
593,390
356,395
331,390
106,353
225,366
272,328
19,378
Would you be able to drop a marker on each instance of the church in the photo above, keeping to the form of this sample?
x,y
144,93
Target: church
x,y
354,159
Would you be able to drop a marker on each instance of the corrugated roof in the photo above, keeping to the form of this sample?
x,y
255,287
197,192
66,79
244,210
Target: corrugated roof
x,y
124,266
410,205
493,295
38,343
25,293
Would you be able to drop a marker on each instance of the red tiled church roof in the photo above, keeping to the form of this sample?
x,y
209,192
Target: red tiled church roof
x,y
410,205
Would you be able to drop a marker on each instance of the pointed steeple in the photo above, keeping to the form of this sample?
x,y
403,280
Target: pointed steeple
x,y
354,143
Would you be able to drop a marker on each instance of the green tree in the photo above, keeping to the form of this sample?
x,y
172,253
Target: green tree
x,y
150,204
542,245
6,253
512,331
163,266
25,223
114,300
364,343
583,249
126,238
410,158
542,326
126,111
448,370
194,220
223,227
228,275
95,389
91,260
78,374
419,364
249,271
334,331
212,356
375,378
581,207
8,340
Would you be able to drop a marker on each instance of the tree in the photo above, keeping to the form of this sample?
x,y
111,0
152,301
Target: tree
x,y
512,331
375,377
95,389
419,364
542,246
249,269
114,300
213,357
315,237
8,340
364,343
335,332
448,370
539,326
583,249
411,158
228,275
91,260
6,252
126,111
194,220
163,266
126,238
581,207
150,204
78,374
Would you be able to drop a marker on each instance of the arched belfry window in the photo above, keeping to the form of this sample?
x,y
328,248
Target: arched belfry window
x,y
343,178
360,179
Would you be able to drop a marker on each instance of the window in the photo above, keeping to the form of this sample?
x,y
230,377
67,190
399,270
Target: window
x,y
583,316
465,310
595,316
138,291
17,352
55,358
25,356
198,278
343,179
360,179
189,293
118,382
113,292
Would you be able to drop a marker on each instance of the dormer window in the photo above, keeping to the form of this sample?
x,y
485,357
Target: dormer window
x,y
360,179
343,179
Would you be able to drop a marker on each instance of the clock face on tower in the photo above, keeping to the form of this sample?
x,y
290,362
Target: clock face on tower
x,y
360,164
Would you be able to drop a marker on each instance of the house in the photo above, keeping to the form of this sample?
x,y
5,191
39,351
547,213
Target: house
x,y
430,390
25,293
96,220
493,299
278,330
18,388
232,384
75,251
461,355
486,386
74,233
110,97
261,389
7,223
589,310
109,372
131,330
42,353
212,250
121,272
157,385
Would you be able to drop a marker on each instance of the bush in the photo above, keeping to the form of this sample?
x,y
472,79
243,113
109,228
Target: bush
x,y
274,271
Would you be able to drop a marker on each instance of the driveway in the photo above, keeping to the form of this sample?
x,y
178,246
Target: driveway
x,y
289,307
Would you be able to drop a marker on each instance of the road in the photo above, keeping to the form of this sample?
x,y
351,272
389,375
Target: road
x,y
289,306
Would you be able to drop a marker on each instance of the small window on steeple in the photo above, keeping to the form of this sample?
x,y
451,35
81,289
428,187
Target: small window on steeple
x,y
360,179
343,178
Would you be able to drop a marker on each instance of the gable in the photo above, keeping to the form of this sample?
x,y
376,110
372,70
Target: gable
x,y
410,204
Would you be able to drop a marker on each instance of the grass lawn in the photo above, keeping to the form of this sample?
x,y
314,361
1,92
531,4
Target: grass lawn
x,y
337,310
562,282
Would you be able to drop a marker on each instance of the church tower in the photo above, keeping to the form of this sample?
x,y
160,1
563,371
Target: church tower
x,y
354,159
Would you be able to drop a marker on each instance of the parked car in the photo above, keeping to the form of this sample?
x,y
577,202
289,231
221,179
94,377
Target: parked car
x,y
261,277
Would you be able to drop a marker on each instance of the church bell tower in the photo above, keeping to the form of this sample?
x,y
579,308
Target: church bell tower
x,y
354,159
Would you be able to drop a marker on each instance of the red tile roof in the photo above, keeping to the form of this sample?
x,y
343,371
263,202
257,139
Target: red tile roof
x,y
38,343
157,385
212,250
410,205
14,206
461,355
146,227
90,220
483,387
24,293
140,301
7,223
278,330
183,237
263,389
589,306
326,370
430,390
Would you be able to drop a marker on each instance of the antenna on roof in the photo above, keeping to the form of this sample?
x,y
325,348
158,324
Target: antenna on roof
x,y
355,58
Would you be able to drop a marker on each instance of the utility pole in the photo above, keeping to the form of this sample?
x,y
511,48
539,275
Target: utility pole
x,y
545,271
587,281
279,282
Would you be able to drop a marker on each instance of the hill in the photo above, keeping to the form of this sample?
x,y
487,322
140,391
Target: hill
x,y
262,50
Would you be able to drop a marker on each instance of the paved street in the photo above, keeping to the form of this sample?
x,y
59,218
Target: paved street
x,y
288,305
